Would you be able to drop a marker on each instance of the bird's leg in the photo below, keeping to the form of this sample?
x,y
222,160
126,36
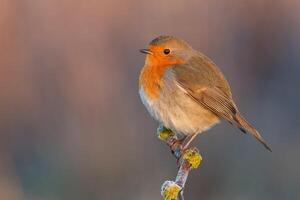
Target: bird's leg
x,y
176,147
191,155
179,147
187,141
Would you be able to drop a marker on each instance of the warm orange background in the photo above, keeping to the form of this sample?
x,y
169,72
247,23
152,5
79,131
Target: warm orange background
x,y
71,122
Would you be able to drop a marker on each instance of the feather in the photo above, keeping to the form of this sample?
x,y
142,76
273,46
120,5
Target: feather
x,y
202,81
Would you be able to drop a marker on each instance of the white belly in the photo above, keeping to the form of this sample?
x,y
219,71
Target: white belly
x,y
178,112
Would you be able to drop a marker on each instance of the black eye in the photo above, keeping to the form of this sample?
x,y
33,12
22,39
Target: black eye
x,y
167,51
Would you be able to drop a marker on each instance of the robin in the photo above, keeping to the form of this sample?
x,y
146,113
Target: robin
x,y
186,92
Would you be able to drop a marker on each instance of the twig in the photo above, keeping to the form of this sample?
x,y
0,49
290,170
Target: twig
x,y
182,176
187,159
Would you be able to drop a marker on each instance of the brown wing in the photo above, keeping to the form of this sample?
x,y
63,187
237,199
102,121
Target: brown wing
x,y
201,72
203,82
213,99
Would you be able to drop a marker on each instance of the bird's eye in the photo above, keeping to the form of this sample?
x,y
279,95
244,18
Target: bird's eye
x,y
167,51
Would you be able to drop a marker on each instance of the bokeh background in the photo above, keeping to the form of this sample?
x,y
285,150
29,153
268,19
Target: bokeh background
x,y
71,122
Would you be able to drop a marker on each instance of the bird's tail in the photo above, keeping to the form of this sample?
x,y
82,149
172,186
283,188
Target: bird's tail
x,y
248,128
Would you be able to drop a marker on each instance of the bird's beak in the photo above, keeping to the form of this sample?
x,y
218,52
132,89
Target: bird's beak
x,y
146,51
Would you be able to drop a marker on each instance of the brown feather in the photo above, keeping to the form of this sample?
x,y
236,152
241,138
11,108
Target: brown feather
x,y
203,82
250,129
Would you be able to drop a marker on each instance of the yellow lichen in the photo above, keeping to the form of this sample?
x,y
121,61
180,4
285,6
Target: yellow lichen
x,y
164,133
193,157
170,190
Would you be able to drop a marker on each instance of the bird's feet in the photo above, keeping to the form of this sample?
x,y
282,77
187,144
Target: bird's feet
x,y
170,138
179,147
176,147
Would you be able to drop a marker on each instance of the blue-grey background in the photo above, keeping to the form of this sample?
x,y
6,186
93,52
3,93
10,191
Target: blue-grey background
x,y
71,122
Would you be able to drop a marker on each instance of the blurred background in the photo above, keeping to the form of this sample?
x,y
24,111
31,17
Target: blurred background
x,y
72,124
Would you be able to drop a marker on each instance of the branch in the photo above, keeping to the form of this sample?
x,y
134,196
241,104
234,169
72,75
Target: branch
x,y
187,160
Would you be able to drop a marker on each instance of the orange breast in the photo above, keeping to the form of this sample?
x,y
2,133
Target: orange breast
x,y
150,80
154,69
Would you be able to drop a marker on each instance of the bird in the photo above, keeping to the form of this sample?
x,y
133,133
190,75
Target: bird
x,y
186,92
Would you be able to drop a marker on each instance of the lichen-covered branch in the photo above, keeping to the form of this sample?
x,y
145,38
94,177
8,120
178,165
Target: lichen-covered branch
x,y
187,159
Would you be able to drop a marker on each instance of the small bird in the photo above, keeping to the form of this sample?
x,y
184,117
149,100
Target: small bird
x,y
186,92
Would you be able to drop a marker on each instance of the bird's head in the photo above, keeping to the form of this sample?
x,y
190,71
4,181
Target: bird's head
x,y
167,50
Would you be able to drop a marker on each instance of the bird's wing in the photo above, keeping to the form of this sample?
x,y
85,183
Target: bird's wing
x,y
201,80
213,99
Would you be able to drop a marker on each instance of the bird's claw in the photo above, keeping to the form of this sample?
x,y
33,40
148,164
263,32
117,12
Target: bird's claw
x,y
176,147
191,155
